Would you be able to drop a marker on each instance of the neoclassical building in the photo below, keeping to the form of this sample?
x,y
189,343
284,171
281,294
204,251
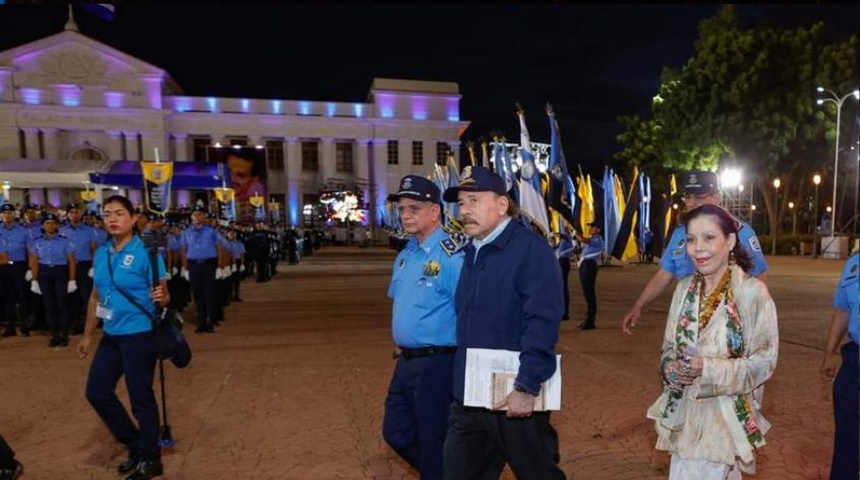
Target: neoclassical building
x,y
71,106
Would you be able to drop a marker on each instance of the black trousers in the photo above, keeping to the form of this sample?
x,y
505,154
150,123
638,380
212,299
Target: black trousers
x,y
54,282
481,441
79,299
588,279
202,276
845,415
13,293
564,263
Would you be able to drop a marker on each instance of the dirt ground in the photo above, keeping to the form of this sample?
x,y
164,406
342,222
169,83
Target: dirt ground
x,y
292,385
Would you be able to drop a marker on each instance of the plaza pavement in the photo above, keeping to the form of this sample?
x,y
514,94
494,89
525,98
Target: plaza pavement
x,y
292,385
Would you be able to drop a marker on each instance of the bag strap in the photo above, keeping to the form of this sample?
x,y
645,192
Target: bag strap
x,y
124,293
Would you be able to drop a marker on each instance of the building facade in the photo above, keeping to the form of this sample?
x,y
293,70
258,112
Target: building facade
x,y
70,105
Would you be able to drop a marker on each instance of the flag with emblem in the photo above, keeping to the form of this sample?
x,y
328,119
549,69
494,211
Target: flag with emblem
x,y
561,187
667,214
611,212
625,244
532,204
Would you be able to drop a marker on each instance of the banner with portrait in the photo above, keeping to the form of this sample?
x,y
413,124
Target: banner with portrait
x,y
244,172
157,178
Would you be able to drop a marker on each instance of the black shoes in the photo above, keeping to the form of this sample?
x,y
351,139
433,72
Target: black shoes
x,y
54,342
586,325
129,464
146,469
12,473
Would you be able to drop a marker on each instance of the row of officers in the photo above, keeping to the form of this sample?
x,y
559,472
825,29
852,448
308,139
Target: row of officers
x,y
46,268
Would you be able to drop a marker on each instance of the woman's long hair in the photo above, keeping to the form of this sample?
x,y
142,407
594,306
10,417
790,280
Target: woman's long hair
x,y
128,206
728,225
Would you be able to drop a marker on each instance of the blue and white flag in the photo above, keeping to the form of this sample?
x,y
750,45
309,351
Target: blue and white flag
x,y
532,204
611,211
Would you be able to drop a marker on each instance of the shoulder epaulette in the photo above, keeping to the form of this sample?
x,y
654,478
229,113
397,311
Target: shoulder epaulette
x,y
454,242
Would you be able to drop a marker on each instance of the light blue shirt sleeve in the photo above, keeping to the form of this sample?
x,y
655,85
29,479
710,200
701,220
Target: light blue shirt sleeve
x,y
749,242
675,259
847,295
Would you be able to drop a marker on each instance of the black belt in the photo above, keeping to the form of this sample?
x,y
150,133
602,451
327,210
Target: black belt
x,y
201,260
410,353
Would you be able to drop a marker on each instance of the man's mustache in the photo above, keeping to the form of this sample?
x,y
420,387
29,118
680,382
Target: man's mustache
x,y
468,221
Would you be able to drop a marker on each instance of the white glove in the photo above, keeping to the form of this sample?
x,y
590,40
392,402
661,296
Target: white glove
x,y
91,272
34,287
73,285
28,276
185,275
176,270
217,274
168,276
242,267
233,269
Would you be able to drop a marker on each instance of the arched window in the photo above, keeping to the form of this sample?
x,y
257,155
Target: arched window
x,y
87,152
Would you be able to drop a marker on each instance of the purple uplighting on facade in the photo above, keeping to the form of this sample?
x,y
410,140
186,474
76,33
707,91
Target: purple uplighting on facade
x,y
453,109
55,197
114,99
276,107
304,108
246,105
70,95
134,196
419,107
330,109
181,104
212,102
358,109
31,96
385,104
37,196
183,197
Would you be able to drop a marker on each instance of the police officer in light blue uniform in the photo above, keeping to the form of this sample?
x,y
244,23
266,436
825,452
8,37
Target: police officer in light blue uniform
x,y
52,261
201,250
13,283
83,238
124,299
846,386
564,252
237,267
591,251
700,188
422,287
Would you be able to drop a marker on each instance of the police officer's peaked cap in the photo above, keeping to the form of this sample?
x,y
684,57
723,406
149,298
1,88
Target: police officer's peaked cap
x,y
199,208
210,215
701,183
50,216
7,207
29,206
90,213
152,217
418,188
71,205
476,179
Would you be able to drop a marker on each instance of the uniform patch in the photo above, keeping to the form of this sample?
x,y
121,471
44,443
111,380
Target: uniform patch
x,y
432,268
128,260
402,263
854,269
681,243
754,245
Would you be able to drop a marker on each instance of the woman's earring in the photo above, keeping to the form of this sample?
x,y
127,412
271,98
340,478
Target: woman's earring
x,y
732,257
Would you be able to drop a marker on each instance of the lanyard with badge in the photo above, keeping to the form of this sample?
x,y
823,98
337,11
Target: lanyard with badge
x,y
104,311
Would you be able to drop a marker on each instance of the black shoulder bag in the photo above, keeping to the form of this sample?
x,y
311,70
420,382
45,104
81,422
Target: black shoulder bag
x,y
170,343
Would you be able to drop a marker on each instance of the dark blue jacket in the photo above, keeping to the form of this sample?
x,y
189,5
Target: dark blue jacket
x,y
510,298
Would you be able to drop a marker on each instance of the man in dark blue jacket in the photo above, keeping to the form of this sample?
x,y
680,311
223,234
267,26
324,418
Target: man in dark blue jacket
x,y
509,297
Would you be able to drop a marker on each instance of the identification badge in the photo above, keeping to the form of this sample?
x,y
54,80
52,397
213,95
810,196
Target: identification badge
x,y
103,312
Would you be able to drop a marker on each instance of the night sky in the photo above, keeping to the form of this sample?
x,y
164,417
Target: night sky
x,y
592,62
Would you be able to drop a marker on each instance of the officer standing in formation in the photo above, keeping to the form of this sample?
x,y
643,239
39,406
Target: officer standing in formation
x,y
237,266
845,321
200,253
84,239
424,329
700,188
13,272
52,263
591,251
564,252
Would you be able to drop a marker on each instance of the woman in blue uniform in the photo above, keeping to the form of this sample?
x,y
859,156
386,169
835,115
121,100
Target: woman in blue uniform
x,y
124,299
52,261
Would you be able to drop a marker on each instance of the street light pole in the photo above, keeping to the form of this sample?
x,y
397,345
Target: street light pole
x,y
816,179
776,184
793,218
838,101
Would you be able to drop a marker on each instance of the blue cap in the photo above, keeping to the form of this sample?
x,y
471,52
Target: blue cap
x,y
50,216
476,179
418,188
90,213
153,217
71,205
199,208
29,206
7,207
701,183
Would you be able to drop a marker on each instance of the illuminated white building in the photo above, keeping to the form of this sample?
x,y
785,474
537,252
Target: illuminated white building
x,y
70,105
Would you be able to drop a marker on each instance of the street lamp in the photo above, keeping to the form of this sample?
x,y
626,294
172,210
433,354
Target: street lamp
x,y
816,179
776,184
838,101
793,218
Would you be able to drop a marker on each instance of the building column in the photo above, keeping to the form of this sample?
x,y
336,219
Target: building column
x,y
131,152
55,197
293,170
114,144
362,171
378,180
327,160
455,147
51,142
9,143
180,147
151,141
31,140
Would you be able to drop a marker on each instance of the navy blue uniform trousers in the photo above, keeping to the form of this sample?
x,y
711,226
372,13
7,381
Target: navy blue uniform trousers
x,y
133,356
201,274
54,284
13,290
416,411
846,396
588,279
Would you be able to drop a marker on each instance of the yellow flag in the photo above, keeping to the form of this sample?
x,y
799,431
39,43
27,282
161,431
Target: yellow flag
x,y
225,195
673,188
631,250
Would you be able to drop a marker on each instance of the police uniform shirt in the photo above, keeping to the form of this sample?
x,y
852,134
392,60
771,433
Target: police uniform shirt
x,y
422,286
34,230
237,249
101,236
676,261
132,272
847,295
564,248
174,242
16,239
593,248
82,238
53,250
201,242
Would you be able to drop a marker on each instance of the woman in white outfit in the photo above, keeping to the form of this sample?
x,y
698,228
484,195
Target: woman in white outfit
x,y
721,343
